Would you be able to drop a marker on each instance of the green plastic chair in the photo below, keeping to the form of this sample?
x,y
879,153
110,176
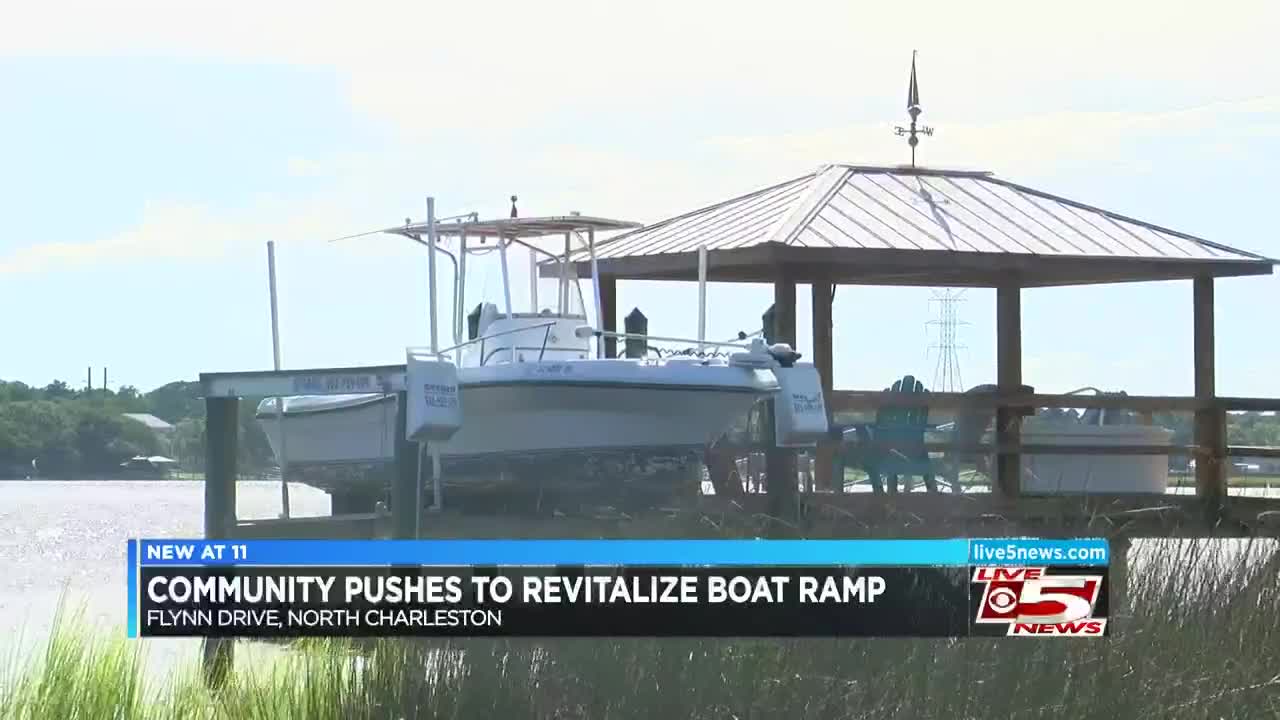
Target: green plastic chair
x,y
894,445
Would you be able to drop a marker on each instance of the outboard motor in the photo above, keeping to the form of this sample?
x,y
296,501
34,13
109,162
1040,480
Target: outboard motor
x,y
757,357
784,354
800,412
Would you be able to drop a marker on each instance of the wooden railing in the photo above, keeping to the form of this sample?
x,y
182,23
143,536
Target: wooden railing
x,y
844,400
1210,447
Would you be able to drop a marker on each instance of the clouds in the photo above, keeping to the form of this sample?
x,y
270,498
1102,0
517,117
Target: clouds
x,y
1009,85
164,232
425,66
356,191
189,233
1029,144
299,122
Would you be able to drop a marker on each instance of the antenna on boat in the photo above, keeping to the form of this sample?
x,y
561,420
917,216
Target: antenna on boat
x,y
430,450
913,109
275,349
702,297
431,270
460,296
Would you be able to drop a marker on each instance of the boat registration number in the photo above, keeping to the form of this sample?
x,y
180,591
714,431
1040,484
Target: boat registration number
x,y
548,370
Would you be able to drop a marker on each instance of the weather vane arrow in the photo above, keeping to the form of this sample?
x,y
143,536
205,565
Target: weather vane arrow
x,y
913,109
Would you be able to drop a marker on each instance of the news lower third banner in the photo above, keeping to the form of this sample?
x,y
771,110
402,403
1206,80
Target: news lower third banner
x,y
618,588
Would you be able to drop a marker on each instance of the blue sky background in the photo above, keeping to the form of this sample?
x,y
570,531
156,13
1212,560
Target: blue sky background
x,y
150,150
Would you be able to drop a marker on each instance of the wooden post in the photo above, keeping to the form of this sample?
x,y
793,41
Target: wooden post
x,y
1210,422
635,323
780,463
221,430
824,460
1118,576
609,312
405,507
1008,480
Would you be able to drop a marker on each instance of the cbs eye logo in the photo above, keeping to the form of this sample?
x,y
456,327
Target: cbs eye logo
x,y
1002,599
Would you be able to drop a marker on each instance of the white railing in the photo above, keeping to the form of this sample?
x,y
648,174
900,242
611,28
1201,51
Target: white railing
x,y
546,336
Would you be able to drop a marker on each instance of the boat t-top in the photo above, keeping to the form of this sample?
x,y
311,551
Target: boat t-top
x,y
542,405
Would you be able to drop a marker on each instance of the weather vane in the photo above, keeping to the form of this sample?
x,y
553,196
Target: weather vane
x,y
913,109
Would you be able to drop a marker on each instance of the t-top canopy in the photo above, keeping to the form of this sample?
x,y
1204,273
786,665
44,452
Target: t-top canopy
x,y
530,227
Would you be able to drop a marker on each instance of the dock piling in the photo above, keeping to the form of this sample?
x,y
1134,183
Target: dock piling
x,y
405,508
1008,480
1210,422
635,323
221,431
781,479
609,312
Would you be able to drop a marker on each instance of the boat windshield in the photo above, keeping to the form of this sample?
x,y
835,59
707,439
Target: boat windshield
x,y
527,313
517,271
537,281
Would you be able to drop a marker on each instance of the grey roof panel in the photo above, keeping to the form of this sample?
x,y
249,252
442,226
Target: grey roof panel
x,y
738,223
857,206
963,197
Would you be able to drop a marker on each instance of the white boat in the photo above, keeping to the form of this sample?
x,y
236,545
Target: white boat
x,y
1046,474
540,404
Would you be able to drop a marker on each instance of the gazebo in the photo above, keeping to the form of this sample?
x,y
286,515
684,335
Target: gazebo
x,y
866,225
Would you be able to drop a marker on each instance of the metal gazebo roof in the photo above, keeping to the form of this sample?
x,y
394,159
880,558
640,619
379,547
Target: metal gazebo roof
x,y
913,226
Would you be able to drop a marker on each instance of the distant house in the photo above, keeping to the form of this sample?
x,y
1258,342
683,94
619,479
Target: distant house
x,y
1257,465
1250,465
156,466
162,429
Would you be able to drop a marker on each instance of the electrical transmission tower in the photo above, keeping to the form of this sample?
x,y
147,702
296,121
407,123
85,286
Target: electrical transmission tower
x,y
946,373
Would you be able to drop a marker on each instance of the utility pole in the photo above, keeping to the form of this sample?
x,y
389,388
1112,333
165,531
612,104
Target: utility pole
x,y
946,374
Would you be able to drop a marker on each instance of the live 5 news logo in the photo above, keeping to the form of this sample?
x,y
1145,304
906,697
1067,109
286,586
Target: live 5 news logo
x,y
1032,601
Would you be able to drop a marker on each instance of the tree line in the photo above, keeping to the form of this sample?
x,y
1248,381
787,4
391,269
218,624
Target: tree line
x,y
71,433
82,433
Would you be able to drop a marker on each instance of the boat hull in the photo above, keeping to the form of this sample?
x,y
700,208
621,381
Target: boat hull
x,y
556,433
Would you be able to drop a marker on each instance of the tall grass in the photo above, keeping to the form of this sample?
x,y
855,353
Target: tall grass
x,y
77,676
1202,645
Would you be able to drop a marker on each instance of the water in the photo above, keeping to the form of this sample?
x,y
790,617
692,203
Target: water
x,y
66,541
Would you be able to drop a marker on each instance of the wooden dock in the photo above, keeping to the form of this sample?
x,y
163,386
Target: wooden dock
x,y
784,511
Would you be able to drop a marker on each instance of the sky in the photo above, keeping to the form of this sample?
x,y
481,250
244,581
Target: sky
x,y
148,152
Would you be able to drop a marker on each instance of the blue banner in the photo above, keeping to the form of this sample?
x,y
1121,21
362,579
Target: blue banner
x,y
555,552
956,552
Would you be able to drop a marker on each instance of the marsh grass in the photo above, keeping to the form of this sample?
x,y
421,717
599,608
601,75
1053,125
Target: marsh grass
x,y
1190,644
78,675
